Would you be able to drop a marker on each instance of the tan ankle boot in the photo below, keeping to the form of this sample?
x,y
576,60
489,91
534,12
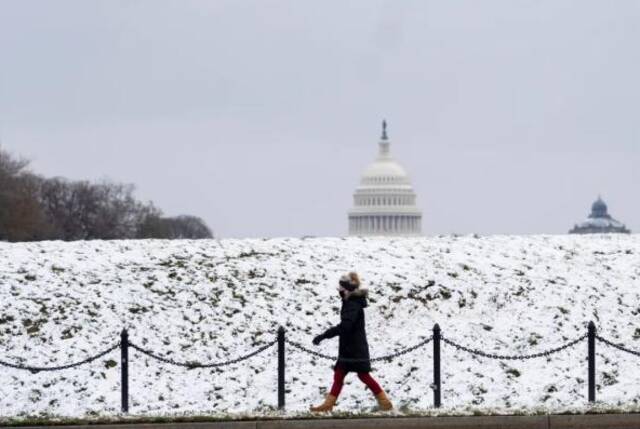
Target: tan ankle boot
x,y
383,402
326,406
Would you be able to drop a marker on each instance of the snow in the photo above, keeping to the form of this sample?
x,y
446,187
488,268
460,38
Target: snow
x,y
213,300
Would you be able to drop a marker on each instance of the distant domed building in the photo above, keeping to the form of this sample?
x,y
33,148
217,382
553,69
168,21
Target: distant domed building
x,y
384,203
599,221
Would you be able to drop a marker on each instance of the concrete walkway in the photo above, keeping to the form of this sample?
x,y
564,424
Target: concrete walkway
x,y
593,421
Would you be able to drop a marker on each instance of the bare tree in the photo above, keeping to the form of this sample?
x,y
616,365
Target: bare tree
x,y
85,211
21,217
180,227
35,208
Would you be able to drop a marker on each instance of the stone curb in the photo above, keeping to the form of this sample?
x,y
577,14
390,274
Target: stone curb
x,y
590,421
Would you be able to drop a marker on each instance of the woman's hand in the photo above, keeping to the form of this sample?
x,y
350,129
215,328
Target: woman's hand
x,y
317,339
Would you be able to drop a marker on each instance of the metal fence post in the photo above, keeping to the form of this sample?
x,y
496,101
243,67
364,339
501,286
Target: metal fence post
x,y
437,398
124,369
591,335
281,367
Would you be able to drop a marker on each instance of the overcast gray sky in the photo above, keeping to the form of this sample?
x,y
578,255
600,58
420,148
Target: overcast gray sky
x,y
259,116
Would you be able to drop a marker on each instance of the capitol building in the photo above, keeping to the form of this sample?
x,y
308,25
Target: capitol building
x,y
384,203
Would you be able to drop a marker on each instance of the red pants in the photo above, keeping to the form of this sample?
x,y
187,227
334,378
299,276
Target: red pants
x,y
338,381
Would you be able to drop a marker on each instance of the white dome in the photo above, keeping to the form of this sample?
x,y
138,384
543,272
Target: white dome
x,y
384,203
384,170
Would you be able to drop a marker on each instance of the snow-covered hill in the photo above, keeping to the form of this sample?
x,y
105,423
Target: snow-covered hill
x,y
215,299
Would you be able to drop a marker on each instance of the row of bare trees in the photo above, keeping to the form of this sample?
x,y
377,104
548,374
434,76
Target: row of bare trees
x,y
36,208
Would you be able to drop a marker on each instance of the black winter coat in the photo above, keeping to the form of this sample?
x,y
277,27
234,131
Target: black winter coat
x,y
353,337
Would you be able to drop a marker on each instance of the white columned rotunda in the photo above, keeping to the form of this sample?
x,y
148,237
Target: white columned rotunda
x,y
385,203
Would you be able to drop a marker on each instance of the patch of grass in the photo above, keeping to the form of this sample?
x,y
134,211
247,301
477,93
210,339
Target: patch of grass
x,y
269,413
513,372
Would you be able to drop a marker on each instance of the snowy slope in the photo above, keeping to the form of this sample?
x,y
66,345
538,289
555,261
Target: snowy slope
x,y
217,299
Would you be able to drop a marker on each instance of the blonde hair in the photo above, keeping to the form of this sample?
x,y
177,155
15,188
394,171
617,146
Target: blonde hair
x,y
353,276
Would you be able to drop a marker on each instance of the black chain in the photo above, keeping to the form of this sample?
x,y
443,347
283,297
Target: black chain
x,y
514,357
299,346
191,365
617,346
388,357
36,369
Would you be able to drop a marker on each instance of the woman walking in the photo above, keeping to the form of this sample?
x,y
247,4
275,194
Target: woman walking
x,y
353,348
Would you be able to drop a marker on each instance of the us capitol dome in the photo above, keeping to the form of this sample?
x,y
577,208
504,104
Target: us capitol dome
x,y
385,203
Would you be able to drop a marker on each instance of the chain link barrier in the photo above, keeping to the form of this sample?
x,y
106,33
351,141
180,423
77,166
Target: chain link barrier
x,y
193,365
617,346
36,369
299,346
513,357
388,357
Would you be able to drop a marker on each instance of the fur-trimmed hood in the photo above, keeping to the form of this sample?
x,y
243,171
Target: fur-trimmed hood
x,y
361,292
